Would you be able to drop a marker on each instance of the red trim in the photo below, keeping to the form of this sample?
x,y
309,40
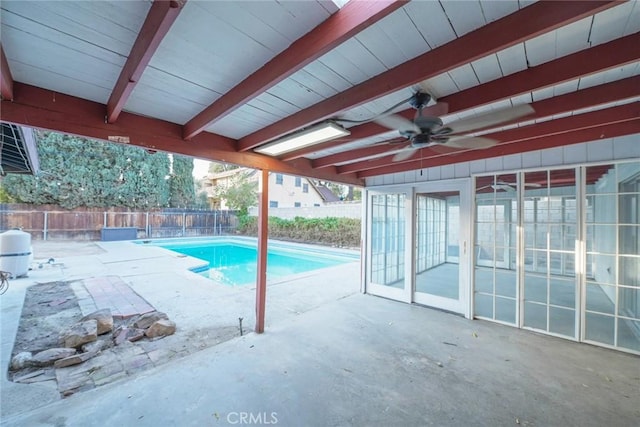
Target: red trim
x,y
602,57
583,135
161,16
593,96
571,130
515,28
263,236
339,27
40,108
6,80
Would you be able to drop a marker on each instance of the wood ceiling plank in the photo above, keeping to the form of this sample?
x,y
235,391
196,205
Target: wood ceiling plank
x,y
6,80
513,29
341,26
558,140
618,54
539,131
161,17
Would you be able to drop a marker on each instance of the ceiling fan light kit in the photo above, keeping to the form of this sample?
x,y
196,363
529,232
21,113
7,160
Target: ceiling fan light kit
x,y
425,131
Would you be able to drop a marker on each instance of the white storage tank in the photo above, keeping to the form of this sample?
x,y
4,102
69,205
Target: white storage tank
x,y
15,252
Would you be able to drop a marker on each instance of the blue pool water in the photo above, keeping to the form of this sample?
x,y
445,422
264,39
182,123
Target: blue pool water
x,y
234,261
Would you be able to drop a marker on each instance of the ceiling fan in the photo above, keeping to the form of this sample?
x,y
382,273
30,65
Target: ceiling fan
x,y
508,186
430,131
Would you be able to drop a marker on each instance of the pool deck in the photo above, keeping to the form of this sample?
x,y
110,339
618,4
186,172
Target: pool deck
x,y
330,356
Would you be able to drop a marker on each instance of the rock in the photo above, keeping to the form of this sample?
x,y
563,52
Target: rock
x,y
21,360
148,319
104,319
35,377
73,360
47,357
81,333
161,328
96,346
127,334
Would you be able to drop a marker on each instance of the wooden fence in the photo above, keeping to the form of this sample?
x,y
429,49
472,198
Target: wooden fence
x,y
45,222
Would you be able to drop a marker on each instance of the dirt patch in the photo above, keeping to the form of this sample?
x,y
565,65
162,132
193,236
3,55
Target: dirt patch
x,y
50,308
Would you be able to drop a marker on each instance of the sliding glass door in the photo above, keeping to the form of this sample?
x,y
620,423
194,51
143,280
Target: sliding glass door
x,y
441,236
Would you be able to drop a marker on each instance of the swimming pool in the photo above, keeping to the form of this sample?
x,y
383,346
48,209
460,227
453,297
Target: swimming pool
x,y
233,261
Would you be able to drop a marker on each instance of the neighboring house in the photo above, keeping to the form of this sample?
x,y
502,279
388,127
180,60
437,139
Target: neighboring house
x,y
285,191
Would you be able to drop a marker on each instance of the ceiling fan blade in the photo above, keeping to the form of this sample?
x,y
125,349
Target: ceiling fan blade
x,y
470,142
396,122
490,118
404,154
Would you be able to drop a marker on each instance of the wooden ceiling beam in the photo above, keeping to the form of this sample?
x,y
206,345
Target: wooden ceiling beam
x,y
584,135
354,17
527,23
589,61
593,96
161,16
44,109
6,80
538,131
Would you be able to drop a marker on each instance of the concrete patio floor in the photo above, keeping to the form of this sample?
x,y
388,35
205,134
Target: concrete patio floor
x,y
333,357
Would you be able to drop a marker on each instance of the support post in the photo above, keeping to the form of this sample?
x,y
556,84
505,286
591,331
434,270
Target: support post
x,y
45,230
263,234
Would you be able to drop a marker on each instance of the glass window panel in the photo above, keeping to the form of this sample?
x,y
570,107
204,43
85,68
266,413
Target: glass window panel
x,y
629,334
629,302
484,305
562,292
629,239
628,206
601,239
484,280
603,268
629,271
601,298
506,283
562,321
506,310
535,288
535,315
599,328
603,206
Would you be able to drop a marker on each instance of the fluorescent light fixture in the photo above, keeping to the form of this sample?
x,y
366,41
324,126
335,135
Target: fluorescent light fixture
x,y
313,135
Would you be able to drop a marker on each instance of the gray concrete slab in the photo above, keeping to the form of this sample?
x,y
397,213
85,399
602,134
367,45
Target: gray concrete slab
x,y
333,357
365,361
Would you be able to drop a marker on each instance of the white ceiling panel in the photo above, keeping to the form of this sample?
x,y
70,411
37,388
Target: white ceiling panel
x,y
441,85
431,21
573,38
512,59
487,68
615,22
465,16
168,95
327,75
393,40
493,10
464,77
295,93
353,62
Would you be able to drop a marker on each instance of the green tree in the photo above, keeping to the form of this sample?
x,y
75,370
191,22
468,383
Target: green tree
x,y
82,172
181,184
241,194
216,167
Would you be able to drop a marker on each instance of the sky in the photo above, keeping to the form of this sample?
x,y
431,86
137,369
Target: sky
x,y
200,168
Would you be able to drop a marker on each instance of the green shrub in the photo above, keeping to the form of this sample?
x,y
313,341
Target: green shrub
x,y
330,231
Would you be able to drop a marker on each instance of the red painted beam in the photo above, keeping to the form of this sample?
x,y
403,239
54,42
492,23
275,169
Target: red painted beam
x,y
354,17
529,22
6,81
559,140
514,141
589,61
593,96
161,16
263,236
40,108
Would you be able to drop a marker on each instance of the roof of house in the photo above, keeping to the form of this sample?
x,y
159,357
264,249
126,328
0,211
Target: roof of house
x,y
218,80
